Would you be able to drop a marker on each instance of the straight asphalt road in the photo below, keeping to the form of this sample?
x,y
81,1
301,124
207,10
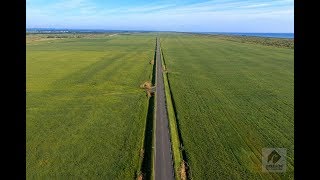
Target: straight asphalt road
x,y
163,156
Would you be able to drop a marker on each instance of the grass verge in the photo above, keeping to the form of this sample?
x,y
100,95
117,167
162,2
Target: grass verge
x,y
145,170
178,162
154,81
146,160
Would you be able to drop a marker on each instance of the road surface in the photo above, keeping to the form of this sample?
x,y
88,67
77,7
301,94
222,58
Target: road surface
x,y
163,156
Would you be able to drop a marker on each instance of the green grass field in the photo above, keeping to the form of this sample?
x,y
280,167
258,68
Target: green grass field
x,y
232,99
86,113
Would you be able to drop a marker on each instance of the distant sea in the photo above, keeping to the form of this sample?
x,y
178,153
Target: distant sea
x,y
272,35
52,30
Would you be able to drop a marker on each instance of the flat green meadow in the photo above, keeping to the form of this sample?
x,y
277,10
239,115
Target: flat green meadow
x,y
232,99
85,110
87,114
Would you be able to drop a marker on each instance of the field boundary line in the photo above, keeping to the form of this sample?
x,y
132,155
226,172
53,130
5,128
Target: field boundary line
x,y
146,161
154,113
179,159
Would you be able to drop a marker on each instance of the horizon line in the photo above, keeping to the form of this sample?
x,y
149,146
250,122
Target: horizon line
x,y
102,29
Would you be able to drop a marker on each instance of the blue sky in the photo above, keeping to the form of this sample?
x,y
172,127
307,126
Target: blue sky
x,y
163,15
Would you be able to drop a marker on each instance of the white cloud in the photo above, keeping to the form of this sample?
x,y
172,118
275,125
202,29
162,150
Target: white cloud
x,y
255,5
212,14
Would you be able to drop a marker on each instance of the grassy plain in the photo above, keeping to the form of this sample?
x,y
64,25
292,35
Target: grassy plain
x,y
86,113
232,99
